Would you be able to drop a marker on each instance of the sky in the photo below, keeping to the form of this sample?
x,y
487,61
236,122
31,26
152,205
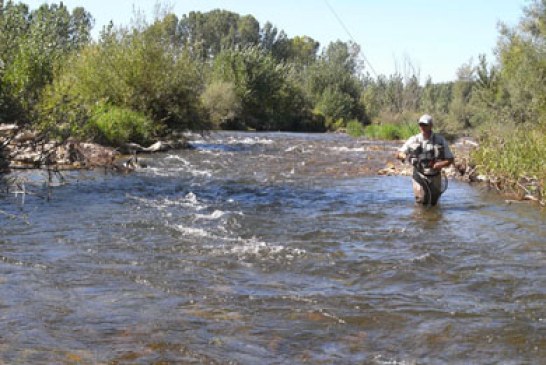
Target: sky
x,y
434,37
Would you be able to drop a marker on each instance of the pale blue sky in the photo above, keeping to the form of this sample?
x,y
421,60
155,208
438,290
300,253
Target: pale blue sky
x,y
436,36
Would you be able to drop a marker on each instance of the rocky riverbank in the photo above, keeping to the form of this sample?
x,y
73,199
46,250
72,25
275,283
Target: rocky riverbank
x,y
23,149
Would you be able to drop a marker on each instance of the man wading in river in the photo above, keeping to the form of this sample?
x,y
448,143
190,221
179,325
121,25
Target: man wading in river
x,y
429,153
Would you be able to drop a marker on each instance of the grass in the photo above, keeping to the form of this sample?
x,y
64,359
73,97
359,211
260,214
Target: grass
x,y
388,131
517,158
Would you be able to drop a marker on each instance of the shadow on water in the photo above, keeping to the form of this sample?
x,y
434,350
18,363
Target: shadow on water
x,y
278,250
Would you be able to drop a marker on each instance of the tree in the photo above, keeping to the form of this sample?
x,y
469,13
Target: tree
x,y
141,70
303,50
222,103
333,80
460,110
523,65
275,42
269,98
32,45
207,34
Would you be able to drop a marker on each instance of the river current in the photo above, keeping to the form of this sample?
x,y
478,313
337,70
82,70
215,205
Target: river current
x,y
268,248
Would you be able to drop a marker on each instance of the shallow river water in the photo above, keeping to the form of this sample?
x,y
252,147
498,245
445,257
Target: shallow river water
x,y
268,249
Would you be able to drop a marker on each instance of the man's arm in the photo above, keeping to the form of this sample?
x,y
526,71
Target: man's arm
x,y
443,163
402,152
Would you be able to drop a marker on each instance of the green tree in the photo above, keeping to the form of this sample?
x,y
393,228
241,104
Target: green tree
x,y
303,50
33,45
269,98
222,103
334,80
486,101
275,42
523,70
136,70
460,111
207,34
511,99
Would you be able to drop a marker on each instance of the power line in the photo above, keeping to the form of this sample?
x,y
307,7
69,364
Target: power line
x,y
350,35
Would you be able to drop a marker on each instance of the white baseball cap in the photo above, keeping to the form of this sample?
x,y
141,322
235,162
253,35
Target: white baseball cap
x,y
425,119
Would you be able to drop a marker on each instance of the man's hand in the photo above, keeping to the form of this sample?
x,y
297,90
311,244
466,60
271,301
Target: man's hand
x,y
442,164
401,156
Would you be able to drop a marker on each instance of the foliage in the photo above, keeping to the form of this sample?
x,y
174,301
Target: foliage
x,y
222,103
355,128
390,131
460,110
523,72
515,154
269,97
32,45
333,86
207,34
509,102
390,99
335,104
140,71
116,126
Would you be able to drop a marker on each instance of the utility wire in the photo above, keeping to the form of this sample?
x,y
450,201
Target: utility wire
x,y
350,35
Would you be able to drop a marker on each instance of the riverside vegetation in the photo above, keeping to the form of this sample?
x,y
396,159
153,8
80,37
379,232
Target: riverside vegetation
x,y
222,70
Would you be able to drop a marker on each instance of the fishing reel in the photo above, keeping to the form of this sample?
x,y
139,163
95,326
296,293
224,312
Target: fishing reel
x,y
414,153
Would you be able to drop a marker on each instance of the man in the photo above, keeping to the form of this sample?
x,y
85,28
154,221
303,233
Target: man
x,y
429,153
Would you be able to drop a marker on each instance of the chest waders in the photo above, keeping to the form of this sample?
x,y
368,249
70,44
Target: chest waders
x,y
429,184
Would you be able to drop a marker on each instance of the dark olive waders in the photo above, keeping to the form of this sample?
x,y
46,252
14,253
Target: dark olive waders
x,y
427,182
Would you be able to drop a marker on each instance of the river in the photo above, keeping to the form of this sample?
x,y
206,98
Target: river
x,y
268,248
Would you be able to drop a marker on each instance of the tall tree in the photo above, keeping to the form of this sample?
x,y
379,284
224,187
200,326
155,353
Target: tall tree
x,y
207,34
334,85
33,44
268,97
462,92
522,53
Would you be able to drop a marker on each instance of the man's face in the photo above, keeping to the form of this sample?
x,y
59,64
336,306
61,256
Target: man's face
x,y
425,128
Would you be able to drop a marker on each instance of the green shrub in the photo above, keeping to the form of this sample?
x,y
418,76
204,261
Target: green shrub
x,y
355,128
513,155
408,129
222,103
391,131
116,126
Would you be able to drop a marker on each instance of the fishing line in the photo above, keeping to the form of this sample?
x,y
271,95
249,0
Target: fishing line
x,y
350,35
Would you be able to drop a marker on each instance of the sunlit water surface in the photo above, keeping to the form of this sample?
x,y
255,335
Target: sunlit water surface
x,y
268,249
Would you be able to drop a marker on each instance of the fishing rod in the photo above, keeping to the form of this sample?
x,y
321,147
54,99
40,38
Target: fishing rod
x,y
350,35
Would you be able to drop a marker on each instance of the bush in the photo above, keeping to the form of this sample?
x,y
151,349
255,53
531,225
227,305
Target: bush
x,y
355,129
336,106
116,126
391,131
408,129
221,102
269,97
514,155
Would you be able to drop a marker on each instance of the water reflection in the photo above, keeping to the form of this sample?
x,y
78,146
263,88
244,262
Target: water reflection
x,y
429,217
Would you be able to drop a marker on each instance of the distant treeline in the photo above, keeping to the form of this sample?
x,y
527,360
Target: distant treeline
x,y
222,70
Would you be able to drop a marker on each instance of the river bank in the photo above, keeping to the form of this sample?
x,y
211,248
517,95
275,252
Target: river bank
x,y
26,149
